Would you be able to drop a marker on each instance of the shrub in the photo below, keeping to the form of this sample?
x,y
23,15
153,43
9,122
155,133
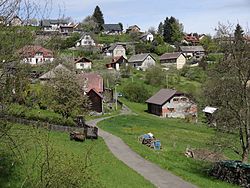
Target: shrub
x,y
135,92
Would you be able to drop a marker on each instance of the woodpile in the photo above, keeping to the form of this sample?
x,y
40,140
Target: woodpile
x,y
234,172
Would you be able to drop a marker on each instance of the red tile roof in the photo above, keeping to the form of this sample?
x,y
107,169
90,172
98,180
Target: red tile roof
x,y
30,51
91,81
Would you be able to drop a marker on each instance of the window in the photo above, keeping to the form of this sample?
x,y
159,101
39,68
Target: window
x,y
171,109
175,99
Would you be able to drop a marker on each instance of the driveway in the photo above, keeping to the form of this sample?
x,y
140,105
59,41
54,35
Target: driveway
x,y
156,175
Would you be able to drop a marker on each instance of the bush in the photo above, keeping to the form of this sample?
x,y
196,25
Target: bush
x,y
39,115
136,92
155,76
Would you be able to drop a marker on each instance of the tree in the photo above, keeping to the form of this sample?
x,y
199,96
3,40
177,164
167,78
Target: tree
x,y
152,30
89,24
135,92
172,30
155,76
121,25
228,89
160,29
68,97
98,17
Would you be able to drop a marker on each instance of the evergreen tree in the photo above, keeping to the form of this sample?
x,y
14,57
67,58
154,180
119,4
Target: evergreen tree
x,y
160,29
167,30
238,33
172,30
121,25
98,17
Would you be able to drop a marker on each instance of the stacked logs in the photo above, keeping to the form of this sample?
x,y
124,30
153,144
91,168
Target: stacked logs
x,y
234,172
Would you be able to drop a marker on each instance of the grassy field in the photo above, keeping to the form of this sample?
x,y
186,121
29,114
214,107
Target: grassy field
x,y
103,168
175,136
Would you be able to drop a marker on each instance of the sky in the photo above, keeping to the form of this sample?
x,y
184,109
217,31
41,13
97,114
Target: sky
x,y
200,16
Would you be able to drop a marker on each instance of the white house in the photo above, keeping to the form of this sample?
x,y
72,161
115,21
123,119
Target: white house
x,y
176,59
36,55
147,37
83,63
116,50
142,61
86,40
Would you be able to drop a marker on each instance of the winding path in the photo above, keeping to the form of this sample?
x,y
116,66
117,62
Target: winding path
x,y
157,176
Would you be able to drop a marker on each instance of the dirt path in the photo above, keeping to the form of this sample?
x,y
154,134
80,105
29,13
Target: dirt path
x,y
157,176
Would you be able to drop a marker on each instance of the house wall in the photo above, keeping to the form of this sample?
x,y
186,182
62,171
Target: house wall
x,y
119,51
150,37
148,62
81,65
38,60
96,101
181,61
87,41
179,107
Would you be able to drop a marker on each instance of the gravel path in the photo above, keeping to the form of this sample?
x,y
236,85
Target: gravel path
x,y
157,176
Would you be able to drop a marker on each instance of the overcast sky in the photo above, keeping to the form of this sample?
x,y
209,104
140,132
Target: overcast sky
x,y
200,16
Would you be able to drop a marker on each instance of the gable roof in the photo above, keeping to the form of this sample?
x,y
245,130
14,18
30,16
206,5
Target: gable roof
x,y
47,23
133,26
162,96
192,49
83,60
113,46
91,81
94,90
31,50
139,57
52,73
112,27
173,55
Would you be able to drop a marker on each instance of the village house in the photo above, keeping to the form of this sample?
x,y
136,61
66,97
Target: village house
x,y
117,62
36,55
85,40
112,29
142,61
92,85
83,63
190,40
50,75
133,29
172,104
193,51
16,21
175,59
116,50
53,25
147,37
66,29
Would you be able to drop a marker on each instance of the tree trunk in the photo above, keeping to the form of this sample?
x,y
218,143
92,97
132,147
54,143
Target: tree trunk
x,y
245,156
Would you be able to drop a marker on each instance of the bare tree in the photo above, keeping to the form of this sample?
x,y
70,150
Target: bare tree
x,y
228,88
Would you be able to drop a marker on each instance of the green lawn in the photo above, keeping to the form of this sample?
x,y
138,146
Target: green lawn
x,y
104,168
175,136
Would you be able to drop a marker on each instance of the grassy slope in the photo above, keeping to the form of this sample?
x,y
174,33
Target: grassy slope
x,y
109,171
175,136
